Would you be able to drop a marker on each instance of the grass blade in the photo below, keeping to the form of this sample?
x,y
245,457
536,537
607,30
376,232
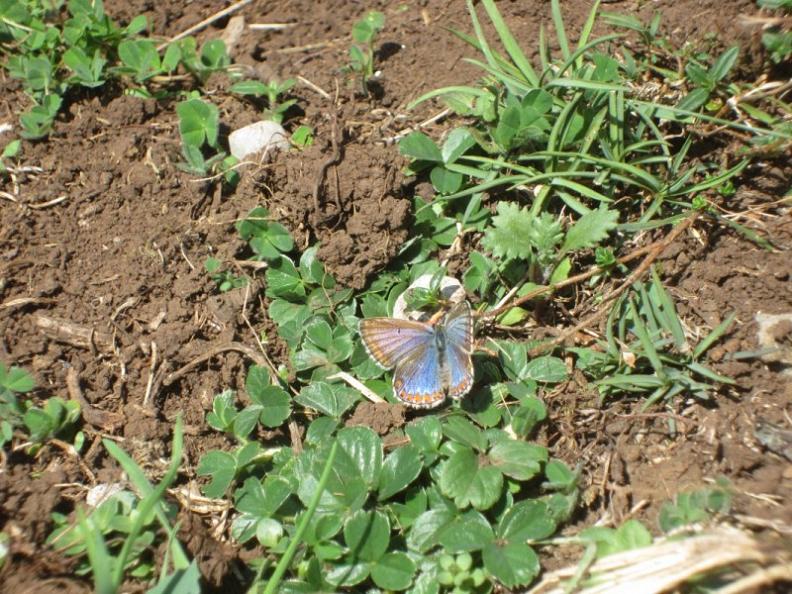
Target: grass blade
x,y
716,333
285,561
558,22
510,44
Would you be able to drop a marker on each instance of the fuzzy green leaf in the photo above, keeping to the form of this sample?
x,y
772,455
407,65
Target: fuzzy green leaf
x,y
590,229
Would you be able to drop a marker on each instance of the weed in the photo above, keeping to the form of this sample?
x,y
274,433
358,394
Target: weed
x,y
646,350
56,418
225,279
9,151
199,125
114,539
776,39
361,54
273,90
52,55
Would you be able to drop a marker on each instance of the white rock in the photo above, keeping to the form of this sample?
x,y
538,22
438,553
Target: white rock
x,y
259,136
450,288
100,493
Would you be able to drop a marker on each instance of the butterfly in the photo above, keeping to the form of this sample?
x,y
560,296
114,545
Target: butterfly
x,y
429,360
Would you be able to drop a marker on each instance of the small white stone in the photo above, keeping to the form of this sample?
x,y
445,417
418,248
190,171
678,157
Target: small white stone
x,y
450,289
102,492
259,136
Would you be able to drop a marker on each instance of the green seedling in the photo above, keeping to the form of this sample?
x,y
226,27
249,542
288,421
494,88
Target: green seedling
x,y
116,539
9,151
695,507
13,382
361,54
777,39
225,279
273,92
199,125
302,137
268,240
648,352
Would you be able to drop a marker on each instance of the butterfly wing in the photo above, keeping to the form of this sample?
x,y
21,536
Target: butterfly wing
x,y
390,341
417,379
458,329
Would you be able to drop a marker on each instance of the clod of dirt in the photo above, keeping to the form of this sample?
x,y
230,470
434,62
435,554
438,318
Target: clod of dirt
x,y
775,333
351,205
382,417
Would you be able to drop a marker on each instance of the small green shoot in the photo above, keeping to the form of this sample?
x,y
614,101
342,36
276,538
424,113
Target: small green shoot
x,y
9,151
225,279
777,38
647,350
116,538
199,125
302,137
361,53
273,91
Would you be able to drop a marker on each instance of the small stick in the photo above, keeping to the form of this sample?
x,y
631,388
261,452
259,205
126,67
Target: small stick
x,y
152,371
249,352
73,334
331,160
359,386
572,280
270,26
207,21
314,87
659,248
92,415
22,301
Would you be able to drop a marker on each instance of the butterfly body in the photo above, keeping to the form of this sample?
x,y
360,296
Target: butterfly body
x,y
429,361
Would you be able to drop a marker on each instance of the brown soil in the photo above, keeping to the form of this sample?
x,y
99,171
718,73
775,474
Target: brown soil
x,y
115,264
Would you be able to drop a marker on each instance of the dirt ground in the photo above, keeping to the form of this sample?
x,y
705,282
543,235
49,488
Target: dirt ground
x,y
111,237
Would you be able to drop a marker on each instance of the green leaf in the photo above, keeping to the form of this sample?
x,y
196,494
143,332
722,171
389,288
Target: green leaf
x,y
469,531
428,528
249,87
332,400
724,63
346,491
275,406
365,448
518,459
39,424
221,466
425,433
509,237
526,520
141,57
394,571
284,281
630,535
367,535
546,369
513,564
199,122
469,479
418,145
400,469
459,429
457,143
16,379
181,581
590,229
445,181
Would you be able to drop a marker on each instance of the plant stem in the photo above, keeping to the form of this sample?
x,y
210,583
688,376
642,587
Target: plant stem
x,y
285,561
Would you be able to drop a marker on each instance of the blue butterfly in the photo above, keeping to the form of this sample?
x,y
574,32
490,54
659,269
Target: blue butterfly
x,y
430,361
